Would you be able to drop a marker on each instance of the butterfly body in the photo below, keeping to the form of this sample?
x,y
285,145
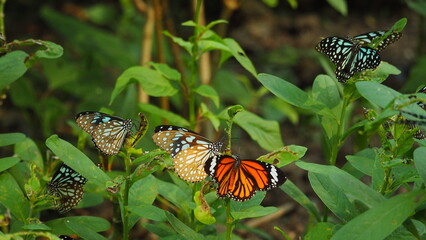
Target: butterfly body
x,y
240,179
108,132
352,55
188,149
67,185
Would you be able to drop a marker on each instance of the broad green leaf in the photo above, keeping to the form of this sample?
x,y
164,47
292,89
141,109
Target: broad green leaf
x,y
339,5
152,82
376,93
351,186
284,156
320,231
8,162
12,197
148,212
240,55
167,71
420,162
77,161
7,139
84,231
163,230
12,67
174,119
382,219
182,229
256,200
28,151
363,161
60,226
143,191
253,212
171,192
266,133
325,91
209,92
333,196
296,194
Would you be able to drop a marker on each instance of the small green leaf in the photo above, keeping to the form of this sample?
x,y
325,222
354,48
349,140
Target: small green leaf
x,y
143,191
172,117
320,231
182,229
8,162
77,161
255,211
28,151
363,161
7,139
12,67
265,132
326,91
52,50
12,197
401,23
240,55
209,92
339,5
179,41
203,212
420,162
180,197
296,194
148,212
84,231
205,111
284,156
152,82
376,93
167,71
381,220
36,227
59,226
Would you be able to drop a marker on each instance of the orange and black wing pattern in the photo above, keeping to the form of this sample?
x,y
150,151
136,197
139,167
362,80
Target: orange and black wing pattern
x,y
240,179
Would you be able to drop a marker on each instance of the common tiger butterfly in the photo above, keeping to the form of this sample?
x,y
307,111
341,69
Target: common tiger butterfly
x,y
351,55
67,185
188,149
240,179
108,132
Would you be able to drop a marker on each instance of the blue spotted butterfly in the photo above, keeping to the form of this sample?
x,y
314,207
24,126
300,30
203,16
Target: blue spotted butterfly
x,y
67,186
108,132
352,55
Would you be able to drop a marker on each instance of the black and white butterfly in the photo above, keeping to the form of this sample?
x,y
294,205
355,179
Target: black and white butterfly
x,y
108,132
352,55
67,186
188,149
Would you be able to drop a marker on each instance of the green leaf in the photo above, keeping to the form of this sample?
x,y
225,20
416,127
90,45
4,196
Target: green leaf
x,y
266,133
36,227
148,212
77,161
296,194
12,67
377,93
252,212
84,231
400,24
320,231
179,41
143,191
167,71
8,162
12,197
240,55
28,151
7,139
172,117
205,112
420,162
179,197
152,82
61,226
363,161
183,230
381,220
339,5
52,50
284,156
326,91
203,211
209,92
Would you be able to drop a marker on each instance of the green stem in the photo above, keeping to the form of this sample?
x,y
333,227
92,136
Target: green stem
x,y
229,220
340,127
125,215
2,30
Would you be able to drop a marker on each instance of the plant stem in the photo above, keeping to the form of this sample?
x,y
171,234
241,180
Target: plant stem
x,y
124,214
2,30
229,220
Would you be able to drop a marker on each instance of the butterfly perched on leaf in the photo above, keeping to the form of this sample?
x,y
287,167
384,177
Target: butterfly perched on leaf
x,y
240,179
108,132
352,55
67,186
188,149
419,134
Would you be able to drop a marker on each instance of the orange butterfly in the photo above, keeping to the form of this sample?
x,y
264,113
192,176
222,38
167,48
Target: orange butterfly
x,y
188,149
240,179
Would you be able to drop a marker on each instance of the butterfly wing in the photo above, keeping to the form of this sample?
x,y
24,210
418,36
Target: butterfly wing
x,y
67,185
360,59
188,149
240,179
369,37
336,48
